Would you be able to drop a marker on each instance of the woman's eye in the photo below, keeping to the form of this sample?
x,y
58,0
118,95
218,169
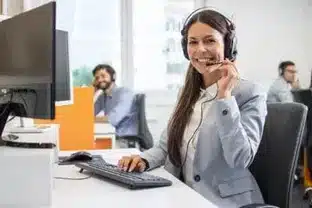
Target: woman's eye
x,y
210,41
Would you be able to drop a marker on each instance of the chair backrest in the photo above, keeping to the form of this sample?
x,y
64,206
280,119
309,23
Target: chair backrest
x,y
303,96
146,138
276,160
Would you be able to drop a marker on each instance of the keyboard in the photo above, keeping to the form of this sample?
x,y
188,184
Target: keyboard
x,y
132,180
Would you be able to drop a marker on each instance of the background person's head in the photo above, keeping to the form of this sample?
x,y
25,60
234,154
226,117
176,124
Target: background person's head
x,y
287,69
104,76
207,36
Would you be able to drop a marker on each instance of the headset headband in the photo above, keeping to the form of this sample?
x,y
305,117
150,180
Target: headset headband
x,y
196,11
230,41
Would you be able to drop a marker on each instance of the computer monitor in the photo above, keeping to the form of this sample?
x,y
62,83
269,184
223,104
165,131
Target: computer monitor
x,y
27,64
63,81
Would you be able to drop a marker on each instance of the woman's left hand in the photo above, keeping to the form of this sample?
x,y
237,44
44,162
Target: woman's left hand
x,y
228,80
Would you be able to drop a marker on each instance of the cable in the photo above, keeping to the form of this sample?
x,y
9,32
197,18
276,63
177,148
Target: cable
x,y
73,179
25,105
11,119
7,105
201,120
24,101
36,99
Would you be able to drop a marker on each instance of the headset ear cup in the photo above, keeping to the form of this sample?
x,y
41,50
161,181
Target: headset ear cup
x,y
184,47
230,51
234,46
114,77
228,47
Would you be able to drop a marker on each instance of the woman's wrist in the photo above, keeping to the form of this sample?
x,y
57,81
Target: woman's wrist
x,y
224,95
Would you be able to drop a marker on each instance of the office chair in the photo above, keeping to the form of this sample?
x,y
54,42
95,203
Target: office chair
x,y
275,162
304,96
144,137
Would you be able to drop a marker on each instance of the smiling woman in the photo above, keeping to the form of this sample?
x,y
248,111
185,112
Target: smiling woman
x,y
217,124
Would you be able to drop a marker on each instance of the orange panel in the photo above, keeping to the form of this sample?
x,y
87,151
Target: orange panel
x,y
103,143
76,121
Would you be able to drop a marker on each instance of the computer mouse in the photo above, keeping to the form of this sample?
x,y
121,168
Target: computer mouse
x,y
79,157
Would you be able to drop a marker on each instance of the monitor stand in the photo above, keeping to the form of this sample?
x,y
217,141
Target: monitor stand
x,y
5,110
29,129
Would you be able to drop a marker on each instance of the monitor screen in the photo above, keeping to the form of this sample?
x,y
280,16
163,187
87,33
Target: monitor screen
x,y
27,64
63,80
27,49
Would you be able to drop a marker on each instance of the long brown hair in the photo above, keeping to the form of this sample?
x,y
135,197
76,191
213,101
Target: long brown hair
x,y
191,90
190,93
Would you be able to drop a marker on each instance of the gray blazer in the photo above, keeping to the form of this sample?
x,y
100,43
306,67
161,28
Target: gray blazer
x,y
227,143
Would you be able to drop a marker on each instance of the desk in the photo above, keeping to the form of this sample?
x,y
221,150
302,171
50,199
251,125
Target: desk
x,y
104,130
95,192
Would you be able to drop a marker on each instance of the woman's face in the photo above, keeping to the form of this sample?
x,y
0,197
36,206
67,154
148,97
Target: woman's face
x,y
204,45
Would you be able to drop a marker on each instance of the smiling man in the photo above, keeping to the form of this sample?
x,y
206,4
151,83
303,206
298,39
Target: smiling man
x,y
118,103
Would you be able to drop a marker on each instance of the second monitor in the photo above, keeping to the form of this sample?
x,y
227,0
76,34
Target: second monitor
x,y
63,79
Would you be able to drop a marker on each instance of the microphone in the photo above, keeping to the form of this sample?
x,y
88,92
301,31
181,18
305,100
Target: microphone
x,y
213,63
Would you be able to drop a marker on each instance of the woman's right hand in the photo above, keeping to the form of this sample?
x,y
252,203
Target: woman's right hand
x,y
132,163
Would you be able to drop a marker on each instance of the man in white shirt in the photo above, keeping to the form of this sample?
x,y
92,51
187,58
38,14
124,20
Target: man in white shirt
x,y
280,90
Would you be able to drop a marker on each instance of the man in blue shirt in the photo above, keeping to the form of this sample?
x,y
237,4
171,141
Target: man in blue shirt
x,y
280,90
118,103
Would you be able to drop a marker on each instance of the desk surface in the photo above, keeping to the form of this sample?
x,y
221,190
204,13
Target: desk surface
x,y
98,192
103,128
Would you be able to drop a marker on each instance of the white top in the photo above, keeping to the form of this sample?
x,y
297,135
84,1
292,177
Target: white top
x,y
191,130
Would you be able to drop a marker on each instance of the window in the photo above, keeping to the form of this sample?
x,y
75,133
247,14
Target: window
x,y
159,63
15,7
11,8
94,36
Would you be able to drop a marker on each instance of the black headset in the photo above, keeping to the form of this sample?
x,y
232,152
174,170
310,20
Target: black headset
x,y
111,72
113,75
281,71
282,66
230,40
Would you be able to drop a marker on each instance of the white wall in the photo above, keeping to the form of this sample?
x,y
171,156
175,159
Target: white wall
x,y
268,32
30,4
308,12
